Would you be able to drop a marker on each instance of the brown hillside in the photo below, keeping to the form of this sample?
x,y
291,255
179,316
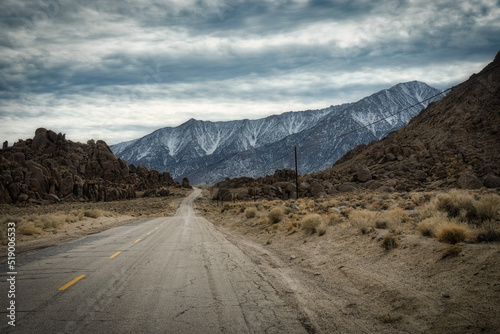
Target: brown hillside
x,y
49,168
454,142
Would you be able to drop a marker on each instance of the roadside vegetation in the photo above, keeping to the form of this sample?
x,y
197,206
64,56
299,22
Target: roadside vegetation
x,y
34,222
452,217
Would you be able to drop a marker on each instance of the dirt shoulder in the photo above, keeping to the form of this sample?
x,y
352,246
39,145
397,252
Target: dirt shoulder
x,y
48,225
345,281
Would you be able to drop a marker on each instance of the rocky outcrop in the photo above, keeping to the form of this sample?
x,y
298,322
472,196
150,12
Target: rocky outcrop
x,y
49,168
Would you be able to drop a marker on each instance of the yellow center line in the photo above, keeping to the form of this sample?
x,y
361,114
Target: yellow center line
x,y
156,228
149,233
64,287
137,240
112,256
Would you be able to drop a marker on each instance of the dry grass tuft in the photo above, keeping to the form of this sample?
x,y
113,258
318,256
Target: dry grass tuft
x,y
452,233
392,219
276,215
488,207
389,242
490,232
250,212
291,226
311,223
429,225
363,219
28,228
452,251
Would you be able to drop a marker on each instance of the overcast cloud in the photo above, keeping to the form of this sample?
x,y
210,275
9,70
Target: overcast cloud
x,y
117,70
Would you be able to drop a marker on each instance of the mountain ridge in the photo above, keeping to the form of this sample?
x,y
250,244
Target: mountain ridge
x,y
207,152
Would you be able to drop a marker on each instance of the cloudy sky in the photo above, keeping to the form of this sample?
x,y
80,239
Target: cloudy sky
x,y
117,70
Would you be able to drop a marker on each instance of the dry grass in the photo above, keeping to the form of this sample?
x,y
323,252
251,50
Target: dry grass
x,y
389,242
311,223
452,233
363,219
250,212
490,232
488,207
452,251
276,215
392,219
464,207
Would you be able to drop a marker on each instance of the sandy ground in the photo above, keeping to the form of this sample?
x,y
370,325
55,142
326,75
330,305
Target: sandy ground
x,y
110,214
345,282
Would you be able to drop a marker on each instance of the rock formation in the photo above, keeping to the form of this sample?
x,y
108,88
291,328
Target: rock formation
x,y
49,168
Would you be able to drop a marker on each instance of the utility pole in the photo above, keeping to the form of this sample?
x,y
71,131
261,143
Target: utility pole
x,y
296,174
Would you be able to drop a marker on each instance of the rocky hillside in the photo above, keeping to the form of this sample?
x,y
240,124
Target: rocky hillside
x,y
453,143
50,168
207,152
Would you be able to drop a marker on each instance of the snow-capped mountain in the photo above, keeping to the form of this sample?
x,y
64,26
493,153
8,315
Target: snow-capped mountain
x,y
207,152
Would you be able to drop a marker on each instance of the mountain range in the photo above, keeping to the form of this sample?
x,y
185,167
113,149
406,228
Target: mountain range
x,y
207,152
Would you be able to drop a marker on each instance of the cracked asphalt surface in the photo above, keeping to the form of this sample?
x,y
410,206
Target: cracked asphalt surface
x,y
172,275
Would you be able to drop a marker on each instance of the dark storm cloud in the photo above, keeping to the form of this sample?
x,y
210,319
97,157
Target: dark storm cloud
x,y
66,62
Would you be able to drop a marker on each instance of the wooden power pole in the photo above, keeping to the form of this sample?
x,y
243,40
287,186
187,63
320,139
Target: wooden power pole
x,y
296,174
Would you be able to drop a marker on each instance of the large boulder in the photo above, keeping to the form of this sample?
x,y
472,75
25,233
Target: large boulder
x,y
491,181
363,174
468,181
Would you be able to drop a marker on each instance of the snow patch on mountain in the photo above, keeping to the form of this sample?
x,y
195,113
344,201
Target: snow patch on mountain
x,y
208,151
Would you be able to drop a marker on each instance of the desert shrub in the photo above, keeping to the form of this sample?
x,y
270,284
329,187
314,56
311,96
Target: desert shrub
x,y
92,213
452,233
457,204
311,223
452,250
334,218
263,221
389,242
488,207
391,219
363,219
52,221
291,225
225,207
250,212
276,215
429,225
28,228
489,232
321,229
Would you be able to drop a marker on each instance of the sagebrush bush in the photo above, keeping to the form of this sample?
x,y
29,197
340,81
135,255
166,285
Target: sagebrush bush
x,y
291,226
452,233
389,242
276,215
250,212
92,213
488,207
452,250
311,223
28,228
52,221
490,232
363,219
429,225
457,204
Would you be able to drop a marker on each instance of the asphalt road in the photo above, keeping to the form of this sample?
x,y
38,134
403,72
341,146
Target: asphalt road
x,y
162,275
